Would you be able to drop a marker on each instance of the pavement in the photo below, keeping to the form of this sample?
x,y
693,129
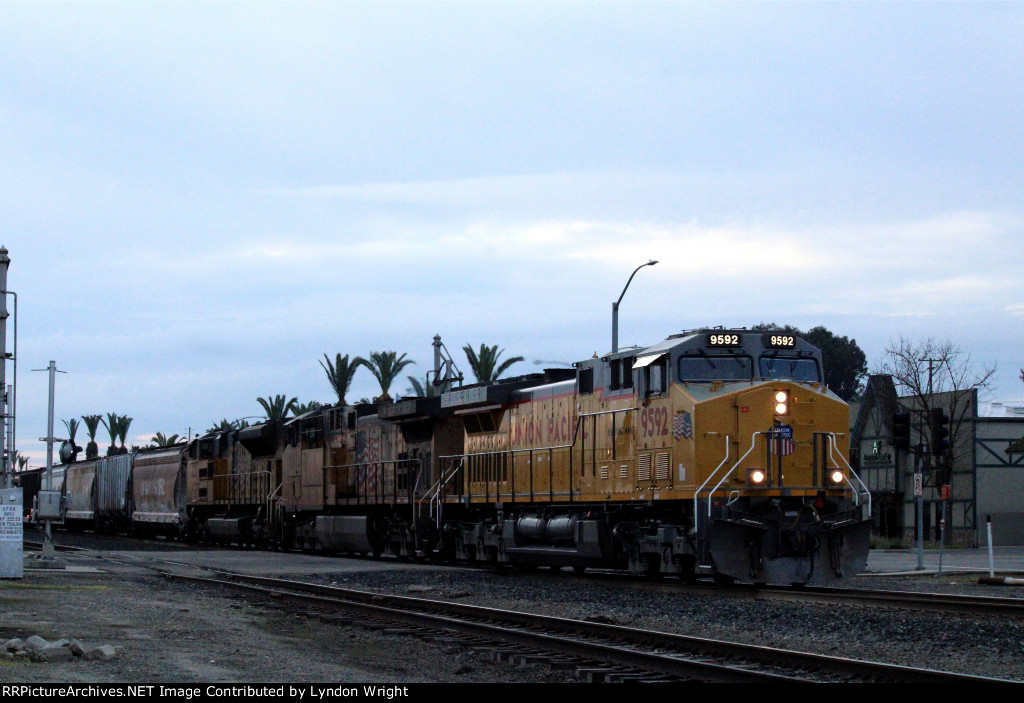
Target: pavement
x,y
1001,562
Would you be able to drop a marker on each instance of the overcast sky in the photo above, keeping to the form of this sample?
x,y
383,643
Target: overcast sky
x,y
202,199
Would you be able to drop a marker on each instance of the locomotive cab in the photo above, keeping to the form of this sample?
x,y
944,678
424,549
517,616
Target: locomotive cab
x,y
777,500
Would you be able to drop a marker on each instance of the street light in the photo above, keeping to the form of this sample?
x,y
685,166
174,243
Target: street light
x,y
615,307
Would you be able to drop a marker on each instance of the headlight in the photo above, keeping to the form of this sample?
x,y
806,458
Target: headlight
x,y
755,476
781,402
837,476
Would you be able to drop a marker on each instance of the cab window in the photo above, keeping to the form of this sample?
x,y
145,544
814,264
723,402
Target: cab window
x,y
777,367
656,377
715,368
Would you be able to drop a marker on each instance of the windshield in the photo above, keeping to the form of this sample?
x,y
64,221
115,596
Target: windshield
x,y
715,368
777,367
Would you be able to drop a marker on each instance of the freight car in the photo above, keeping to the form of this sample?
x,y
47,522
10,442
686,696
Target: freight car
x,y
97,494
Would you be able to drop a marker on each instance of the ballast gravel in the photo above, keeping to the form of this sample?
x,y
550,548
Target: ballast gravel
x,y
174,632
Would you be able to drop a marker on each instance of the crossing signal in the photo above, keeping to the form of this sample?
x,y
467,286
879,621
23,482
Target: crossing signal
x,y
901,430
939,422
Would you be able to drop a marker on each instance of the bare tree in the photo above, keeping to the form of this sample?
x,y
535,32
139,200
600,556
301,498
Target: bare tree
x,y
937,374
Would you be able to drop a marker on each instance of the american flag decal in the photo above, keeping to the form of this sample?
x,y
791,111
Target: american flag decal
x,y
781,440
682,426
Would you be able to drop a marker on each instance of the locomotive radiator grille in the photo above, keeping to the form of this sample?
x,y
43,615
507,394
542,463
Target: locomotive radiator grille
x,y
623,470
643,468
661,467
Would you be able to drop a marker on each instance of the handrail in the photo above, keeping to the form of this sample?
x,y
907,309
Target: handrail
x,y
572,444
753,442
442,480
435,499
832,443
607,412
409,462
273,493
696,494
233,484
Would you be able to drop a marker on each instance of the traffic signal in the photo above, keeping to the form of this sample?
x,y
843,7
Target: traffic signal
x,y
939,422
901,430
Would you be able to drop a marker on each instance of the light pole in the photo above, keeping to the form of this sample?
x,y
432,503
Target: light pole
x,y
615,307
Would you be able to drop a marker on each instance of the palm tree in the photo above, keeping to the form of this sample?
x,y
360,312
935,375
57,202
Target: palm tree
x,y
227,425
122,431
340,373
72,426
417,388
385,367
112,423
278,408
160,440
22,463
303,408
92,423
483,363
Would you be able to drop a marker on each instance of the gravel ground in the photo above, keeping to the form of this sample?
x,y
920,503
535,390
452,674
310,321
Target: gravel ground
x,y
985,646
174,632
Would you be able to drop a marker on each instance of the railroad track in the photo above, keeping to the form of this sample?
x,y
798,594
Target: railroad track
x,y
596,652
907,600
897,600
963,604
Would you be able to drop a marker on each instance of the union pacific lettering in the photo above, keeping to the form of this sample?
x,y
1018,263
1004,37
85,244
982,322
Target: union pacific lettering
x,y
550,422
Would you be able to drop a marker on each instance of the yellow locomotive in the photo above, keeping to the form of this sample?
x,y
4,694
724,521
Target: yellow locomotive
x,y
716,452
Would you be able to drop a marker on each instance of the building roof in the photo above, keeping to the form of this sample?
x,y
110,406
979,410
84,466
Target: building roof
x,y
1001,408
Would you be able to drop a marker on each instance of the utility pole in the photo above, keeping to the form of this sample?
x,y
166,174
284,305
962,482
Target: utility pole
x,y
50,500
